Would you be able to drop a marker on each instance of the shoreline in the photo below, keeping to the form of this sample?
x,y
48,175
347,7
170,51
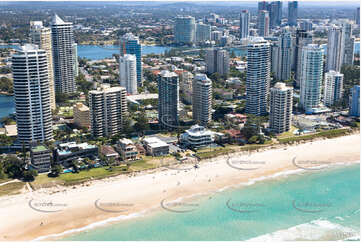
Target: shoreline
x,y
213,175
188,199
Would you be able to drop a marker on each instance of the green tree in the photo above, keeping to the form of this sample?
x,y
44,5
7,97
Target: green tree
x,y
30,175
56,170
141,122
14,167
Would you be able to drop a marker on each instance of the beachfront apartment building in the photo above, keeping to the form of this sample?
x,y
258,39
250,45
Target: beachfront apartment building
x,y
155,146
168,101
311,77
202,99
41,158
281,101
108,107
63,55
32,95
127,149
197,136
333,87
81,115
65,153
258,76
41,36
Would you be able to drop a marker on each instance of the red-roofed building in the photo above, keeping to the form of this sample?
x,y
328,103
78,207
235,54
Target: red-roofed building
x,y
235,136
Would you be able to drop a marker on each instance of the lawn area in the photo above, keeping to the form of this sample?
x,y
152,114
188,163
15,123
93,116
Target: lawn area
x,y
86,175
11,188
210,153
288,133
323,134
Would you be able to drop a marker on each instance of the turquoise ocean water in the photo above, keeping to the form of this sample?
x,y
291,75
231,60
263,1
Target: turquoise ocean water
x,y
322,205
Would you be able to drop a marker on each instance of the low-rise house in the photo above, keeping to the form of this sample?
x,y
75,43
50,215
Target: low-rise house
x,y
11,130
67,152
197,136
235,136
127,149
236,118
40,158
109,152
140,148
155,146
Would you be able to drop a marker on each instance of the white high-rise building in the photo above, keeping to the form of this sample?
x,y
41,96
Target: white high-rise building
x,y
311,77
202,99
335,49
108,107
244,24
184,30
63,55
203,32
32,94
75,57
281,100
284,54
258,76
333,87
168,101
263,23
41,37
128,73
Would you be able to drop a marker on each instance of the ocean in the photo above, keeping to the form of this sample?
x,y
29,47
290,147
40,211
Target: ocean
x,y
310,205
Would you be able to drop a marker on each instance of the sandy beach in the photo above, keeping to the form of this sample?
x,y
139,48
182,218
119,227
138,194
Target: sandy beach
x,y
55,210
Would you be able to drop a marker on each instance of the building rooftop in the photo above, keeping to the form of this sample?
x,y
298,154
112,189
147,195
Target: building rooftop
x,y
126,141
81,107
39,148
154,142
129,36
167,73
282,86
197,130
107,89
57,20
11,130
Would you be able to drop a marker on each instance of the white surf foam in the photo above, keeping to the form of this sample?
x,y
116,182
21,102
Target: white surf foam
x,y
314,230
